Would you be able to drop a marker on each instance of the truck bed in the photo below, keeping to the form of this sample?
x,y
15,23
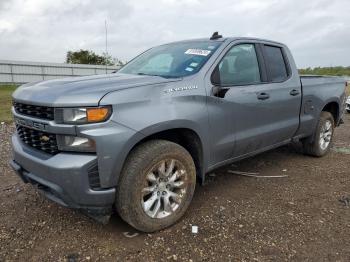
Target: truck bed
x,y
317,92
307,80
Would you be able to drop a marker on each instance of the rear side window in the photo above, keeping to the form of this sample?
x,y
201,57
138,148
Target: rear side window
x,y
275,62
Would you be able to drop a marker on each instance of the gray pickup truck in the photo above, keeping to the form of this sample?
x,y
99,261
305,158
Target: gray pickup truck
x,y
137,140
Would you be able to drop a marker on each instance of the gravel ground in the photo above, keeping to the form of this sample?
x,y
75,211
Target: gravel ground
x,y
296,218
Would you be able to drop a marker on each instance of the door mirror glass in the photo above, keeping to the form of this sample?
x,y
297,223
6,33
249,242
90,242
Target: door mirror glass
x,y
215,77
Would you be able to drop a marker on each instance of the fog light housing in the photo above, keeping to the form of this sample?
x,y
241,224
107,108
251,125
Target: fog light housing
x,y
75,144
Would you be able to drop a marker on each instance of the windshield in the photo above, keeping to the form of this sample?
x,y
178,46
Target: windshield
x,y
172,60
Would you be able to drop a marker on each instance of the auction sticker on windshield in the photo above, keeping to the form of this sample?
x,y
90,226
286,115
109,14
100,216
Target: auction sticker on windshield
x,y
202,52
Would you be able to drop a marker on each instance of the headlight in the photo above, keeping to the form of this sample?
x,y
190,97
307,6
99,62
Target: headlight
x,y
75,143
82,115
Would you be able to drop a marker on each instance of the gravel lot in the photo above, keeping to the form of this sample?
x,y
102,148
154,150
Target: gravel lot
x,y
295,218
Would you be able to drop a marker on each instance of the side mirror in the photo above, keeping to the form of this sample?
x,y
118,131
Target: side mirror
x,y
215,77
215,80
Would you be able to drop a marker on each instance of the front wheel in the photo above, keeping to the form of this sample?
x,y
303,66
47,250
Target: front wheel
x,y
322,137
156,186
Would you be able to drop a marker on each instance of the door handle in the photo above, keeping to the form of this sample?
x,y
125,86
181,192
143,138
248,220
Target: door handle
x,y
263,96
294,92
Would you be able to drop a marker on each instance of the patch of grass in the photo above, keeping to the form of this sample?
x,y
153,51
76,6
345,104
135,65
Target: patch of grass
x,y
6,102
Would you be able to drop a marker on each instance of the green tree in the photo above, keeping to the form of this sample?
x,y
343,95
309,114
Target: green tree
x,y
89,57
333,71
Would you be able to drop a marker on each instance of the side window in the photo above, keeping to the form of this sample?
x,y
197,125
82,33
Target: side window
x,y
275,63
239,66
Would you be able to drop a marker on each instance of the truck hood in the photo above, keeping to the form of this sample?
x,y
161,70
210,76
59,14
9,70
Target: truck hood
x,y
81,91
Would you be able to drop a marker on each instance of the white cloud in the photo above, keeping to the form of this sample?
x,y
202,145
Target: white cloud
x,y
6,26
317,31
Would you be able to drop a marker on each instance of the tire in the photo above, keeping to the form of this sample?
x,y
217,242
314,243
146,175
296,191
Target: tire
x,y
319,146
348,110
158,172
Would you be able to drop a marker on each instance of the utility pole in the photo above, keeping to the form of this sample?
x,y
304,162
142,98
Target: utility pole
x,y
106,51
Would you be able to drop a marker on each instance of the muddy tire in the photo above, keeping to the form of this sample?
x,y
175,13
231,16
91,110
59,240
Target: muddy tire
x,y
156,186
321,141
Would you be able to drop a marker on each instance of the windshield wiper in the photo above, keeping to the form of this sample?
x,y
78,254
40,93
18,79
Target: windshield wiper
x,y
163,76
144,74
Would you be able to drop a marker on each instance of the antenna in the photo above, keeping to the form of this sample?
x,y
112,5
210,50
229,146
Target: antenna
x,y
215,36
106,51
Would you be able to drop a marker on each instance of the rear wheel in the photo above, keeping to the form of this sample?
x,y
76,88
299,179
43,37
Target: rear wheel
x,y
156,185
322,137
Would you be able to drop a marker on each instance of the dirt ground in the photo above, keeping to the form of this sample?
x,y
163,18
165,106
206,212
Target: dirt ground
x,y
295,218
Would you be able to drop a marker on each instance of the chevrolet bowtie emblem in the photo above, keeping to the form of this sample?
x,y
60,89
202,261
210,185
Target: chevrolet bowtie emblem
x,y
44,138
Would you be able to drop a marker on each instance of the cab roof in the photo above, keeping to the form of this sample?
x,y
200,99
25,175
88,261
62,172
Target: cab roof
x,y
230,39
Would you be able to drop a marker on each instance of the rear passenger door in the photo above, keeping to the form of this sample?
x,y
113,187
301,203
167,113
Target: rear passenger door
x,y
284,89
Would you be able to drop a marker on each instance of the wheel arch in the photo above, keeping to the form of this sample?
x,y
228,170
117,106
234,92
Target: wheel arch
x,y
333,108
185,137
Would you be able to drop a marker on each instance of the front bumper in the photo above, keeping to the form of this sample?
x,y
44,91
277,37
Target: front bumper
x,y
63,178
